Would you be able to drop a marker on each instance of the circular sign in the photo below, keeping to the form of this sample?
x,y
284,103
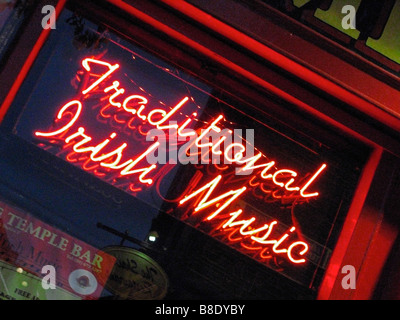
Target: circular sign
x,y
135,276
82,282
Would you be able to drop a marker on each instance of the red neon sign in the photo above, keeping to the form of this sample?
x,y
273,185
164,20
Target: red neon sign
x,y
110,156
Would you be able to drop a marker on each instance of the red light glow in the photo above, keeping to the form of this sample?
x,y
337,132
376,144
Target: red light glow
x,y
116,160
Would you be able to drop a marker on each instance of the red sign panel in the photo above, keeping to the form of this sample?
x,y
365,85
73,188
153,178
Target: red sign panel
x,y
30,244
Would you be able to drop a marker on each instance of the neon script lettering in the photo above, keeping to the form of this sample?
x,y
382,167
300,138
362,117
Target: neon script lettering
x,y
114,156
244,227
135,105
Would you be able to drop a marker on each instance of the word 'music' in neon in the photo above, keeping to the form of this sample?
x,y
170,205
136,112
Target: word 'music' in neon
x,y
244,226
115,159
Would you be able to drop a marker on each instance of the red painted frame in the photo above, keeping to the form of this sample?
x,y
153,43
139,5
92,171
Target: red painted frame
x,y
281,61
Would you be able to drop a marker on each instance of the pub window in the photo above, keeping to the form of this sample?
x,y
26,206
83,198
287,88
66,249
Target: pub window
x,y
12,16
141,180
